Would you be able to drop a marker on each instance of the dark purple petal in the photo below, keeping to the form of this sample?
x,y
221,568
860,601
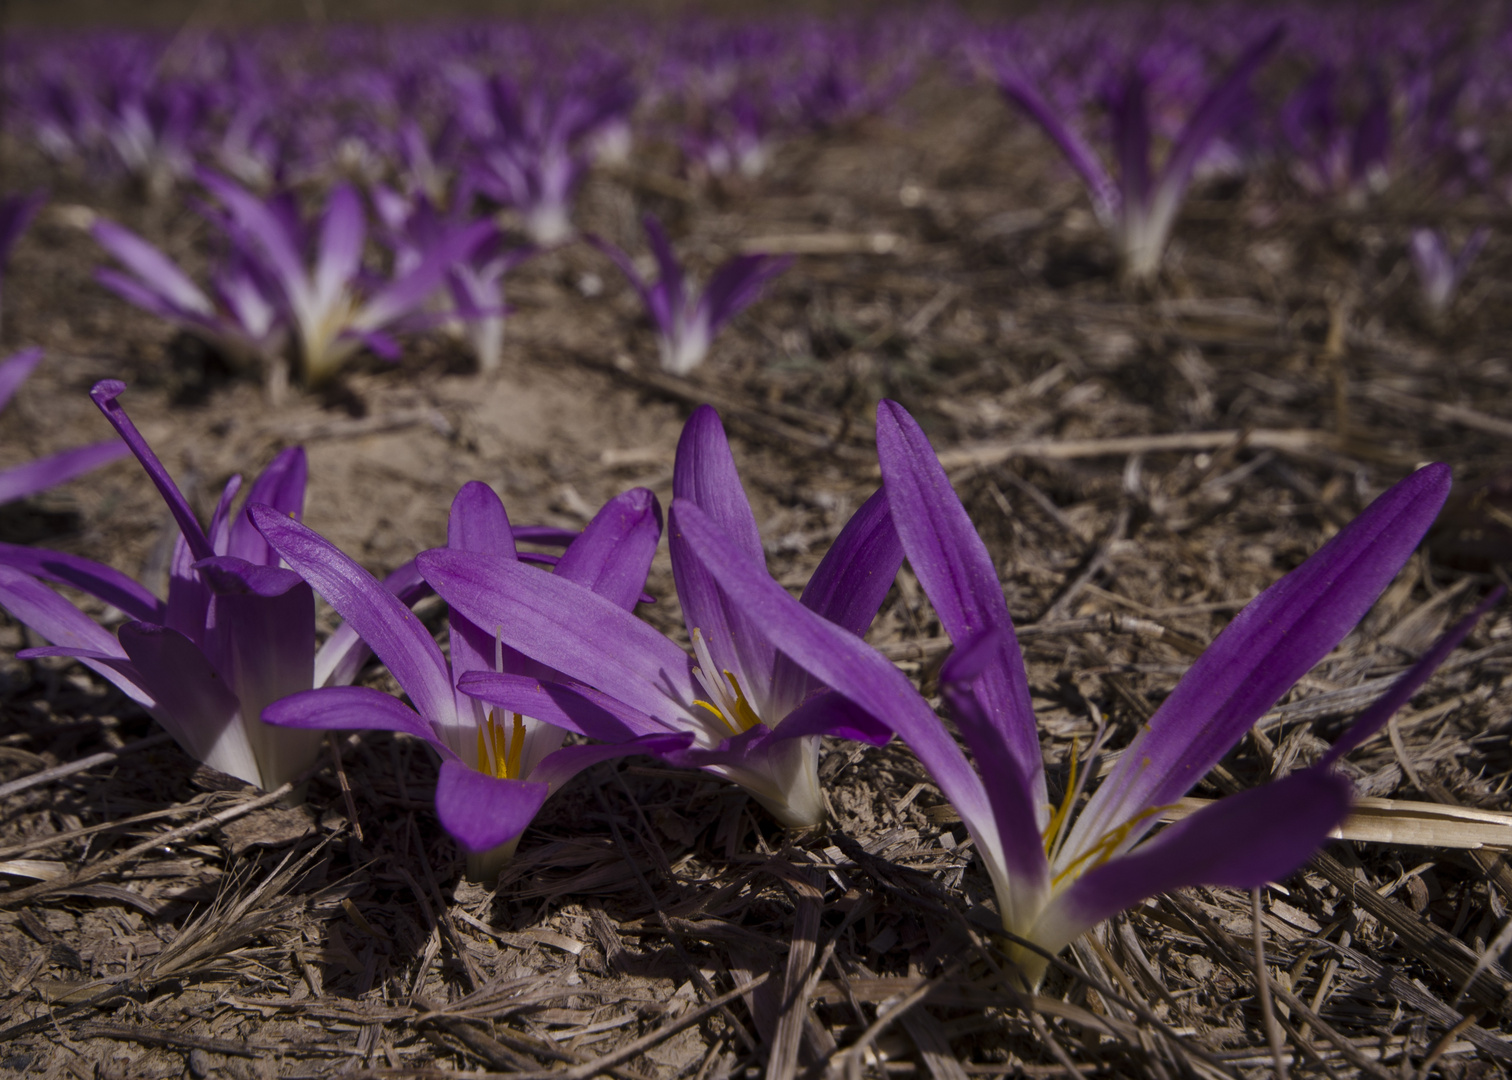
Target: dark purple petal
x,y
478,522
562,765
737,285
98,580
16,212
831,714
481,812
669,270
48,472
193,701
1100,186
613,555
393,632
104,394
576,631
35,605
282,486
342,656
1408,683
1267,647
1239,842
958,576
544,534
1130,119
350,708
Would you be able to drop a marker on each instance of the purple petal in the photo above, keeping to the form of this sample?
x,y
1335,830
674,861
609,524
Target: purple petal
x,y
48,472
220,520
98,580
961,582
613,555
16,370
574,630
704,475
342,656
1239,842
478,522
1408,683
392,631
1131,138
578,709
104,394
544,534
562,765
737,284
481,812
670,271
266,227
830,714
1099,184
843,662
16,212
411,290
282,486
627,267
350,708
1268,646
342,233
194,703
155,270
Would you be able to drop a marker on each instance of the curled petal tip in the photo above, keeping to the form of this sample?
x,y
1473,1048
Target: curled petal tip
x,y
107,390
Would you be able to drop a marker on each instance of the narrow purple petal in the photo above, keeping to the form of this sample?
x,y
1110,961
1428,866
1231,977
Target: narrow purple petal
x,y
1239,842
342,656
98,580
737,285
670,271
704,474
1267,647
627,267
411,289
154,270
194,703
342,234
350,708
16,370
389,627
1408,683
613,555
266,227
576,631
829,713
16,212
961,582
48,472
544,534
562,765
35,605
1099,184
1130,118
481,812
104,394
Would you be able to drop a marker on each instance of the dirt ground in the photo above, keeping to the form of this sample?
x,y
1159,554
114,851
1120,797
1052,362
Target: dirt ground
x,y
160,921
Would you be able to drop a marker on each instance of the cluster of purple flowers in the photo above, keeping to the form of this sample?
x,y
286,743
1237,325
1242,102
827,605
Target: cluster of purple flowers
x,y
229,665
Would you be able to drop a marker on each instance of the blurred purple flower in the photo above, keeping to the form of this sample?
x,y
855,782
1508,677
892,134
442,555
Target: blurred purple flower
x,y
1139,208
685,319
754,715
1440,272
1331,154
495,773
16,213
34,476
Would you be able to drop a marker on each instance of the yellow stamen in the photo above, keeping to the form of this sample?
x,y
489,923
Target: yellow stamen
x,y
499,755
1105,848
1058,820
743,711
715,710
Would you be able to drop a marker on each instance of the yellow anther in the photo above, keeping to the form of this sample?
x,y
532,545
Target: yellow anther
x,y
1058,820
499,755
743,711
1105,848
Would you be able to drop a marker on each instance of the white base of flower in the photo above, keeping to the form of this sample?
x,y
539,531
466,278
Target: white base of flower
x,y
484,867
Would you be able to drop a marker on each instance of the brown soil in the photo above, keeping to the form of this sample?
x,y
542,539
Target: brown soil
x,y
305,942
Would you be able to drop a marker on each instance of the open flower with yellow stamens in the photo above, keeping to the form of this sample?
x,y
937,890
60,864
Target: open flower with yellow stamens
x,y
496,768
755,715
1057,872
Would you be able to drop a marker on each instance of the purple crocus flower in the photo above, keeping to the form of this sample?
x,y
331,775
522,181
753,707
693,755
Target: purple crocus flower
x,y
35,476
1056,877
329,308
1139,209
236,633
754,714
685,319
1440,272
495,772
1330,155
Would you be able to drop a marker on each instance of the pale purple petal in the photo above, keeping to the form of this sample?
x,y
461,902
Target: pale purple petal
x,y
155,271
48,472
16,370
342,234
342,656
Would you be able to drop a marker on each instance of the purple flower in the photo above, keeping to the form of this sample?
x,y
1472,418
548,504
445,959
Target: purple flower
x,y
1331,155
332,311
685,319
1056,877
1139,209
496,771
235,634
35,476
754,714
1438,271
16,212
